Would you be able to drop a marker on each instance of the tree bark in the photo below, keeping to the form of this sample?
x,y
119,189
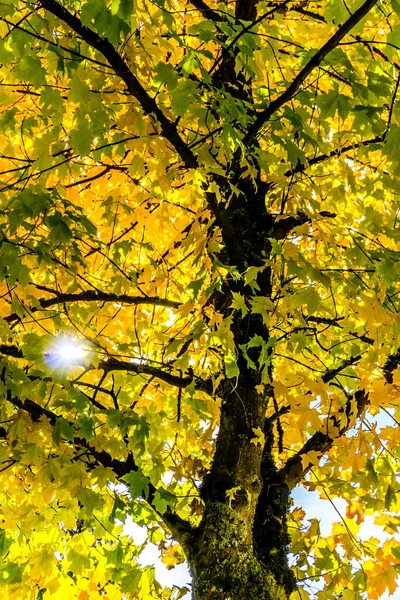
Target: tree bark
x,y
224,564
239,551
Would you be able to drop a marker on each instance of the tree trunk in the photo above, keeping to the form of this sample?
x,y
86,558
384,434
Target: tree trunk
x,y
224,564
239,551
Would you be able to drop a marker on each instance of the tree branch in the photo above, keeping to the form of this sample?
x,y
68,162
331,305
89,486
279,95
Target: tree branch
x,y
8,350
293,471
245,10
135,88
246,29
300,167
93,296
313,63
308,13
331,373
206,11
122,70
284,226
177,525
113,364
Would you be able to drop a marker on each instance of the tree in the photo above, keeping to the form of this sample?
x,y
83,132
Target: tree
x,y
199,295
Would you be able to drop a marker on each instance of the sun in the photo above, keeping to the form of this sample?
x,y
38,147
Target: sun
x,y
67,351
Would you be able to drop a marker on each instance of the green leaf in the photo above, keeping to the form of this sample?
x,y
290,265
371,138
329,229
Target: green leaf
x,y
396,6
52,104
163,499
116,556
194,287
390,497
138,484
79,90
295,154
85,427
231,367
239,303
11,573
118,510
30,69
165,75
371,471
249,361
396,552
122,8
181,98
5,543
81,138
276,247
62,429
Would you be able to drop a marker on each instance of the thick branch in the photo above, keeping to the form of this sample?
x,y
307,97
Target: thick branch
x,y
122,70
331,374
249,27
135,88
112,364
9,350
94,296
293,471
206,11
245,10
230,237
120,468
312,64
282,227
145,369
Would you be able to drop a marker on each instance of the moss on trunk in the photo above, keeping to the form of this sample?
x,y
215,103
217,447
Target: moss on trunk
x,y
223,563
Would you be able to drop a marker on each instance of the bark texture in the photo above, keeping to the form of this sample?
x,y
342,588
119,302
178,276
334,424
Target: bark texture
x,y
224,563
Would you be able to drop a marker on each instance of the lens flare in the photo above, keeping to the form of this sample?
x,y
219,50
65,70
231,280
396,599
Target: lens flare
x,y
66,352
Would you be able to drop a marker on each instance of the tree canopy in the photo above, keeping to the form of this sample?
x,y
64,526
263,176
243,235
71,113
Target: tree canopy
x,y
199,295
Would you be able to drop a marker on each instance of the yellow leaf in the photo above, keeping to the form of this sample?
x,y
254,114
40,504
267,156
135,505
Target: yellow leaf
x,y
311,458
300,594
230,494
260,437
382,581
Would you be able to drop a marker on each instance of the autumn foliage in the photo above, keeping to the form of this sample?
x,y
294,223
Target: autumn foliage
x,y
199,295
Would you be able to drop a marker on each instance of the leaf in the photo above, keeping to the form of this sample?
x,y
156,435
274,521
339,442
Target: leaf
x,y
239,303
390,497
386,579
138,484
5,544
231,367
30,69
260,437
194,288
207,199
122,8
231,493
11,573
396,6
62,429
81,138
163,499
300,594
